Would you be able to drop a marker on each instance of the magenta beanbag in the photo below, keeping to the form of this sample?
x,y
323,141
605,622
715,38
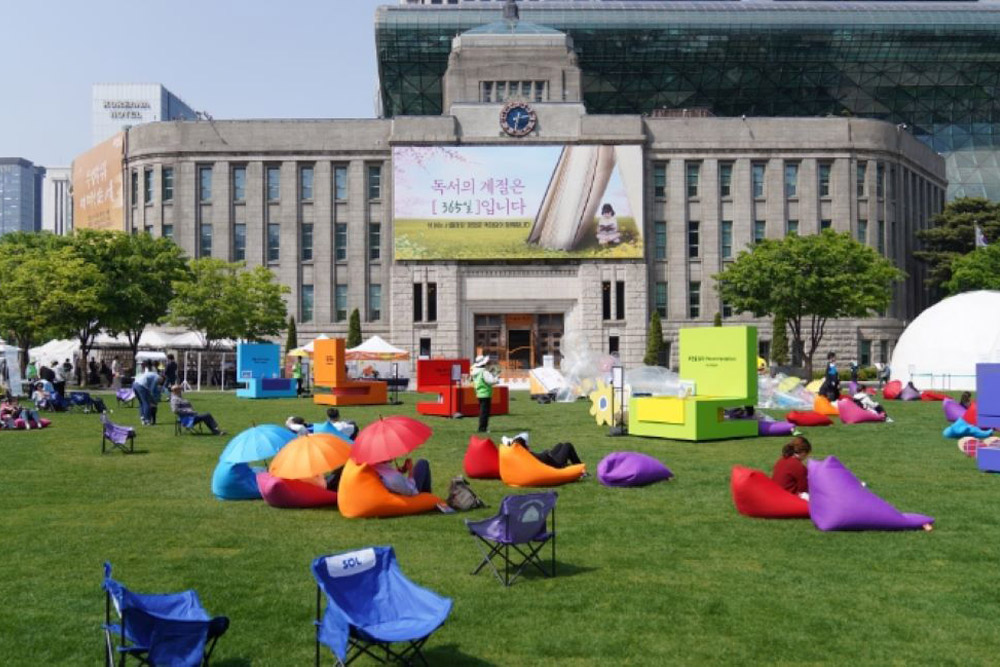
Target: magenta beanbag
x,y
631,469
19,423
775,428
288,493
838,501
952,409
852,413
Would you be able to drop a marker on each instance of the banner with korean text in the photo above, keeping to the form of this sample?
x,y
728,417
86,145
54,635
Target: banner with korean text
x,y
98,201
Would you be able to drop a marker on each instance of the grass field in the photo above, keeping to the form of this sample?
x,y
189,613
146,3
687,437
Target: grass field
x,y
668,573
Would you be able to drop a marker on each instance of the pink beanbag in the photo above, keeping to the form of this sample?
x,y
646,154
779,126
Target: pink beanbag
x,y
19,423
278,492
891,390
757,495
852,413
808,418
952,409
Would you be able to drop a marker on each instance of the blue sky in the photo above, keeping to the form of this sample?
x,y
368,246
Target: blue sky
x,y
248,59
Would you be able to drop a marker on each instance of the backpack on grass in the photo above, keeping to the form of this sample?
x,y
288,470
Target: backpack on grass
x,y
461,497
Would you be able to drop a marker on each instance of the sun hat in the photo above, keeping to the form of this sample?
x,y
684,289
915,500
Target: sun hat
x,y
480,361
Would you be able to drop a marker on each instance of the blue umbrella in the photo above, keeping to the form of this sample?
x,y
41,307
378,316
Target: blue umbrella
x,y
257,443
327,427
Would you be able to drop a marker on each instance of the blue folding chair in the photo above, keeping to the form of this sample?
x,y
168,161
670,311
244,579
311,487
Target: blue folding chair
x,y
521,525
370,605
188,424
160,629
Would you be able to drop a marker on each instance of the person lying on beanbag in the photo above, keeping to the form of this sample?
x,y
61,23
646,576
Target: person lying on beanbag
x,y
863,400
406,479
560,455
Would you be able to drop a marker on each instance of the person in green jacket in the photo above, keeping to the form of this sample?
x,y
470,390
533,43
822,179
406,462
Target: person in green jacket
x,y
483,381
297,374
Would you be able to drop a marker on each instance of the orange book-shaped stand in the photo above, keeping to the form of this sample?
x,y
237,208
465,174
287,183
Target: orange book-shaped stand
x,y
435,376
330,373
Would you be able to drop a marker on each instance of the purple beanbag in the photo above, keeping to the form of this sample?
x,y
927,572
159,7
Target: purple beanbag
x,y
837,501
775,428
631,469
909,393
852,387
952,409
852,413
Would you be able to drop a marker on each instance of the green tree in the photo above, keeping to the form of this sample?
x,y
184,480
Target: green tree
x,y
654,340
779,340
263,309
354,329
717,320
809,280
980,269
292,341
953,235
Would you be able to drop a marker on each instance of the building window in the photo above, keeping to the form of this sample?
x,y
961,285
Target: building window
x,y
135,188
374,302
727,310
726,180
205,240
306,242
168,184
694,300
726,232
432,302
883,351
866,353
306,305
824,179
340,303
273,178
486,91
340,242
148,229
374,181
239,243
239,184
340,183
757,171
499,91
374,241
759,230
606,300
147,186
693,172
863,231
879,180
306,183
168,232
273,242
613,345
880,241
793,228
660,180
425,348
792,179
661,299
204,184
660,239
825,224
862,168
619,299
418,302
693,239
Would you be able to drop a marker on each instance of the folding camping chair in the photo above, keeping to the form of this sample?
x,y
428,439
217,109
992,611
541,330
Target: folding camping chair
x,y
161,629
187,424
81,399
120,437
126,397
371,605
521,525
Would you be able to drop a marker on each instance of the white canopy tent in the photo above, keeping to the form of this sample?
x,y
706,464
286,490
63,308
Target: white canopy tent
x,y
376,349
309,347
940,349
10,368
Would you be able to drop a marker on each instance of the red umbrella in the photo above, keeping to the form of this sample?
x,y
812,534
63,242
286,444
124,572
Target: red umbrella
x,y
388,438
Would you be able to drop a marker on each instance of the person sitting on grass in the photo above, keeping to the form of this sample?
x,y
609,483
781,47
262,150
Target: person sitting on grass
x,y
790,470
182,407
42,397
560,455
406,479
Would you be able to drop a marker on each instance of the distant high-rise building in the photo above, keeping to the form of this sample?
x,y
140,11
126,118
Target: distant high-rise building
x,y
119,106
57,205
20,195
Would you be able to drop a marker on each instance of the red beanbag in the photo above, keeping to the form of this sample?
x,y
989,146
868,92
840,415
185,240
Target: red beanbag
x,y
482,460
891,390
757,495
808,418
932,396
971,415
278,492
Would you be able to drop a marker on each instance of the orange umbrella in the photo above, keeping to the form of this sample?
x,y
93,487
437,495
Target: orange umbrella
x,y
310,455
388,438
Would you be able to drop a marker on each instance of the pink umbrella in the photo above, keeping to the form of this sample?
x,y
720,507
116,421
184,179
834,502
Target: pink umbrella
x,y
389,438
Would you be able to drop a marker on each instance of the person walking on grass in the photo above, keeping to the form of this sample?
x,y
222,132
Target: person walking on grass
x,y
483,381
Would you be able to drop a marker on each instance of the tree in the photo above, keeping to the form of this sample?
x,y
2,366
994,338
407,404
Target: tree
x,y
654,340
354,329
292,341
980,269
717,320
263,310
808,280
953,235
779,340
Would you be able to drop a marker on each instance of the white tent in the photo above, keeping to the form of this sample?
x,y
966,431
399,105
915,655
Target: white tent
x,y
940,349
376,349
309,348
54,350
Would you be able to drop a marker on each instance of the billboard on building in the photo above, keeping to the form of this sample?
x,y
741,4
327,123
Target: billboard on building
x,y
97,186
517,202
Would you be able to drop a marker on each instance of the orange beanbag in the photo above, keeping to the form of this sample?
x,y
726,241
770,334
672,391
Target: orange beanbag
x,y
362,495
757,495
808,418
482,460
891,390
823,406
519,468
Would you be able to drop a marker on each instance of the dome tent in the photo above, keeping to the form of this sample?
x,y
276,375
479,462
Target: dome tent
x,y
940,349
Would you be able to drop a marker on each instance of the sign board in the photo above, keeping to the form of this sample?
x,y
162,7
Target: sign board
x,y
98,192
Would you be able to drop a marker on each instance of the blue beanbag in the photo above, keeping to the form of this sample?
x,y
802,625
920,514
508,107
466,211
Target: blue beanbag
x,y
235,481
631,469
962,428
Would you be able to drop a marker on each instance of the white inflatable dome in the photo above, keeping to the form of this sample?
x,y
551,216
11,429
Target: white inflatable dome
x,y
940,349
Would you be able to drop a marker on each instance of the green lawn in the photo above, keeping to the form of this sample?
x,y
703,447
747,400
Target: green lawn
x,y
668,573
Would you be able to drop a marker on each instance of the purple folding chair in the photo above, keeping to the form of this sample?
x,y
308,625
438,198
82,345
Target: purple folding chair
x,y
120,437
521,525
126,397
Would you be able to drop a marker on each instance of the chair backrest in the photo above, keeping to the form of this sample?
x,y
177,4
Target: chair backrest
x,y
116,433
527,514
